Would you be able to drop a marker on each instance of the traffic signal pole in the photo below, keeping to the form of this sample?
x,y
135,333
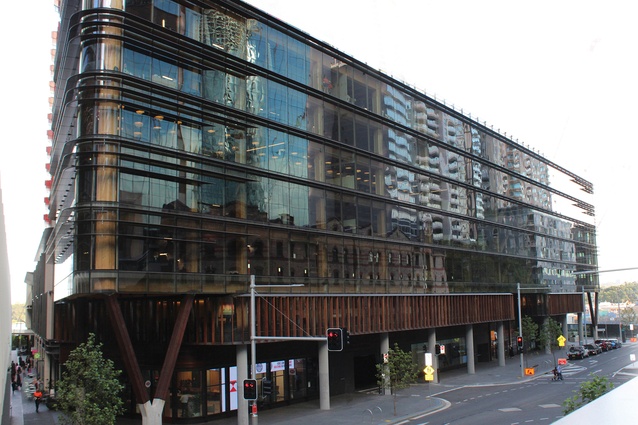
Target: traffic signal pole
x,y
520,325
253,348
325,392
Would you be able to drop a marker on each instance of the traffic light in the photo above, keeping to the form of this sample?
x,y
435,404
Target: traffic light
x,y
250,389
335,339
519,343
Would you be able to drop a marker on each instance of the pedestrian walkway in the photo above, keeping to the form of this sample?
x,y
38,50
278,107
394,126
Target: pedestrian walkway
x,y
368,407
23,408
364,407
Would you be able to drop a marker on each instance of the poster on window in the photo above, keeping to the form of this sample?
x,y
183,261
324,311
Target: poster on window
x,y
277,366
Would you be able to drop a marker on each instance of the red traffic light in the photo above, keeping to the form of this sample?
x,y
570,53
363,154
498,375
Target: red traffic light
x,y
250,389
519,342
335,339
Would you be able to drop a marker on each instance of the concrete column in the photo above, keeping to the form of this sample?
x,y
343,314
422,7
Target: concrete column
x,y
385,347
432,349
324,376
500,343
242,373
581,328
469,347
565,334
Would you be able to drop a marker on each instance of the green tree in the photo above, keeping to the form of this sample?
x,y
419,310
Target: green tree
x,y
619,293
628,316
587,392
89,391
17,313
549,333
397,373
530,331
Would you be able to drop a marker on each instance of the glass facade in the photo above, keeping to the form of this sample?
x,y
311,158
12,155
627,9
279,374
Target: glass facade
x,y
198,143
250,150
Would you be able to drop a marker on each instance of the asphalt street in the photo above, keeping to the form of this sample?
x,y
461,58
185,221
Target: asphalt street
x,y
364,407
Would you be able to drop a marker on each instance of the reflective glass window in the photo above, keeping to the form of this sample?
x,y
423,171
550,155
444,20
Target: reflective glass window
x,y
136,63
164,73
297,115
192,24
298,156
298,62
139,8
166,14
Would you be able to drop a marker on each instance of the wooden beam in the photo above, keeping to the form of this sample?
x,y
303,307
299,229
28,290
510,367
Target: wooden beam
x,y
168,367
126,349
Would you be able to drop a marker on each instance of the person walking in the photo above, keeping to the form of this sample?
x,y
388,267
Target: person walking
x,y
37,396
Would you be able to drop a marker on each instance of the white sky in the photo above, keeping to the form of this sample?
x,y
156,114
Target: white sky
x,y
561,76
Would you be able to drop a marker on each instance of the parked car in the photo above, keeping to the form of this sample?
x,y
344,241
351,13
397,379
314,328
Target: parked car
x,y
592,349
605,345
616,342
577,352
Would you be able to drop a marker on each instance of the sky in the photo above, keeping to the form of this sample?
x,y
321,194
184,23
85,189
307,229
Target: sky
x,y
559,76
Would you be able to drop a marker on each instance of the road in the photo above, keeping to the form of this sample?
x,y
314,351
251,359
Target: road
x,y
533,402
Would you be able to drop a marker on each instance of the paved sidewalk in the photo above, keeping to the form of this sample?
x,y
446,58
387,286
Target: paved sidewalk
x,y
349,409
23,408
418,400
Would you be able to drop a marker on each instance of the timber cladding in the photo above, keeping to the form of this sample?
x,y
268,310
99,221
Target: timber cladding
x,y
220,320
368,314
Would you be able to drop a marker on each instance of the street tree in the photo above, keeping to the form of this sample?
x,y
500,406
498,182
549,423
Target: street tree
x,y
397,371
89,391
549,333
587,392
530,331
628,317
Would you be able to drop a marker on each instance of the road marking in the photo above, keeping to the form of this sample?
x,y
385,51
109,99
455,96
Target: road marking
x,y
420,416
549,406
510,409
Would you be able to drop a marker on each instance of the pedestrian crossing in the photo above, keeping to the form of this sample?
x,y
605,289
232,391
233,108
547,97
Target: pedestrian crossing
x,y
571,369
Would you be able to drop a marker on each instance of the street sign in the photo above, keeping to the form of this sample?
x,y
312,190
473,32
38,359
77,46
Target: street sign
x,y
428,359
429,377
428,370
561,341
529,371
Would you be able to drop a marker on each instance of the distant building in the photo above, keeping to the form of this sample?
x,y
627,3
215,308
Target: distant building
x,y
194,144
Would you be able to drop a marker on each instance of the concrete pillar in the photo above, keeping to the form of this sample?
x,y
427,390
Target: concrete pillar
x,y
432,349
241,356
152,412
581,328
385,347
500,343
469,347
565,334
324,376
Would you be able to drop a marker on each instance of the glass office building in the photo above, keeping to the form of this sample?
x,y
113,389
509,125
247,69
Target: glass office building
x,y
197,143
